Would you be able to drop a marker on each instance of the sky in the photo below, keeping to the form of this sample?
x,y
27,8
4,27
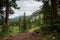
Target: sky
x,y
26,6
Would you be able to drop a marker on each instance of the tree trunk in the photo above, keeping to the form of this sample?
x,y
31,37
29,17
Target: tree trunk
x,y
54,9
7,15
54,14
19,23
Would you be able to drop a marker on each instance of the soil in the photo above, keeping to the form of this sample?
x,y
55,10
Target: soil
x,y
23,36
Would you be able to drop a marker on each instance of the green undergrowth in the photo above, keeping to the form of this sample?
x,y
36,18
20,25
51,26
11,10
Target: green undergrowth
x,y
36,28
15,30
12,31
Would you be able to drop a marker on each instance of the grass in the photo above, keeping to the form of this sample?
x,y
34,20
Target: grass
x,y
36,28
12,31
15,30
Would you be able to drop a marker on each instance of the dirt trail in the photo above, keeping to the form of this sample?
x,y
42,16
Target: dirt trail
x,y
24,36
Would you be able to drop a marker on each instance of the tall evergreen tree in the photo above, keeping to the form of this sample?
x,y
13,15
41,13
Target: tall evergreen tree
x,y
24,25
20,23
29,23
8,4
46,13
2,19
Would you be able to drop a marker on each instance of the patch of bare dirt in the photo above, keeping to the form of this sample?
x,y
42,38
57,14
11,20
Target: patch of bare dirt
x,y
24,36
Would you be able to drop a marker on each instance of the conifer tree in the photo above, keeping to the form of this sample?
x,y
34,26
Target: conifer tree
x,y
19,23
7,4
24,25
29,23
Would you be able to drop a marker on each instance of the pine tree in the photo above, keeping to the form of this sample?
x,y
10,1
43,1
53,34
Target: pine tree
x,y
46,13
7,4
29,23
2,19
19,23
24,25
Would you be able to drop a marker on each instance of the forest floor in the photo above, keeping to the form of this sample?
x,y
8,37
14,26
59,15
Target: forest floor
x,y
24,36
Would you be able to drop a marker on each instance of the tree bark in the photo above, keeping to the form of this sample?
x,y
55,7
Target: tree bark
x,y
54,9
7,15
54,14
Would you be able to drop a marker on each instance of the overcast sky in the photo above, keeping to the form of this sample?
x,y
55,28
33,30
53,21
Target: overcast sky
x,y
27,6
